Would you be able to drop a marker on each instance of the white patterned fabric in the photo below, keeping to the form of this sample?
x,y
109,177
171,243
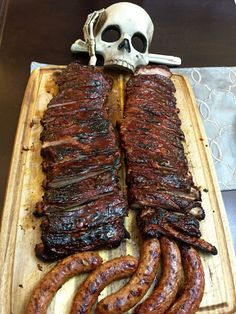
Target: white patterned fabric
x,y
215,92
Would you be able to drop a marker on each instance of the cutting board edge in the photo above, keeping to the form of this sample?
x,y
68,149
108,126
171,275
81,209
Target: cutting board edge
x,y
10,214
231,307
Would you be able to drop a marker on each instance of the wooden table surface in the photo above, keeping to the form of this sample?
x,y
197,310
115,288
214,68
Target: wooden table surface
x,y
201,32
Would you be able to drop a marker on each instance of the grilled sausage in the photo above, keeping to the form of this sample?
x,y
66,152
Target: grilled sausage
x,y
164,294
57,276
128,296
191,296
90,289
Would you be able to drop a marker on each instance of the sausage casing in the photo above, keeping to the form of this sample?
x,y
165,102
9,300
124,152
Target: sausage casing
x,y
165,292
191,296
128,296
90,289
57,276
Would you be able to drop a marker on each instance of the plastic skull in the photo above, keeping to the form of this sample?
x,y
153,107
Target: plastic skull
x,y
133,29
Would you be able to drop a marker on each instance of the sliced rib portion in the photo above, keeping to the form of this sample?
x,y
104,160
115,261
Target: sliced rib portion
x,y
83,204
159,181
183,227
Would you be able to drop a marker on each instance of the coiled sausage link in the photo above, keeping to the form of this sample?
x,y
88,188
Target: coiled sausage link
x,y
191,296
165,292
128,296
90,289
57,276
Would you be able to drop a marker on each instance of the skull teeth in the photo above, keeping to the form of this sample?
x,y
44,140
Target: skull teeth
x,y
121,63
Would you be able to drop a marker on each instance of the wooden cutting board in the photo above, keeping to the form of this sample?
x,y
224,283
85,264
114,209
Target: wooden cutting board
x,y
20,270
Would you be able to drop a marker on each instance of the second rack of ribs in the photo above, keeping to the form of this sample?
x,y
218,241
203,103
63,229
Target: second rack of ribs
x,y
160,184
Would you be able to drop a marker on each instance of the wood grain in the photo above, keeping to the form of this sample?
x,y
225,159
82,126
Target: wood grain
x,y
19,268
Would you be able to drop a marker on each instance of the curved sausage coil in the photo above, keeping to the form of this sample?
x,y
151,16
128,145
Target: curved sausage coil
x,y
165,292
57,276
162,299
128,296
191,296
88,292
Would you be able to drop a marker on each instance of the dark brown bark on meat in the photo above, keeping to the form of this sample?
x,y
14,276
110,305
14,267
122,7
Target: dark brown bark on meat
x,y
83,205
159,182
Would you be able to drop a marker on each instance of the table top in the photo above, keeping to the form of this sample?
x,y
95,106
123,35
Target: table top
x,y
202,33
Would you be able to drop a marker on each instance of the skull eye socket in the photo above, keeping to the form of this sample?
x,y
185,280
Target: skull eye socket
x,y
111,33
139,42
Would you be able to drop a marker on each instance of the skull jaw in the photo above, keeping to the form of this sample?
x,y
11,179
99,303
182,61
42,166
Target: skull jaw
x,y
119,64
123,64
123,60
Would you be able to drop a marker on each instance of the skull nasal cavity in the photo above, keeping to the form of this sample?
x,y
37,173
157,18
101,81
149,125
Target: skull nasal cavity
x,y
124,45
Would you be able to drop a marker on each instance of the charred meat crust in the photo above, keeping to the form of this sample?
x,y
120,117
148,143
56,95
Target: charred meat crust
x,y
150,99
81,159
182,227
61,244
159,182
